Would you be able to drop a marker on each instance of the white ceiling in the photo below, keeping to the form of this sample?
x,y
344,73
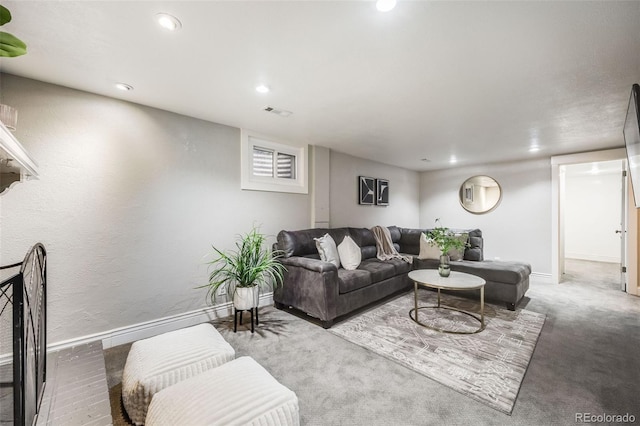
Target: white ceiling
x,y
481,81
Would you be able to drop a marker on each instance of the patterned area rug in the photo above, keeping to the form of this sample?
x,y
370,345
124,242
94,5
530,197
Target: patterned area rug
x,y
488,366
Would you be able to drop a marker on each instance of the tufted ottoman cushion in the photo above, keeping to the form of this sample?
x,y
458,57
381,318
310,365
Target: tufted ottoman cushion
x,y
240,392
161,361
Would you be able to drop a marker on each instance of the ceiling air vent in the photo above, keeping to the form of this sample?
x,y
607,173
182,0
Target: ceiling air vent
x,y
278,111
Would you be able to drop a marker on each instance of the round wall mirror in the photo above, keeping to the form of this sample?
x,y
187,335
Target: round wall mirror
x,y
480,194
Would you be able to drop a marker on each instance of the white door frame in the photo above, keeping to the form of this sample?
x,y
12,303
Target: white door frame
x,y
557,231
632,242
624,224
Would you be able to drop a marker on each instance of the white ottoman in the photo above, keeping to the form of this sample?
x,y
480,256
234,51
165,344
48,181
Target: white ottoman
x,y
160,361
241,392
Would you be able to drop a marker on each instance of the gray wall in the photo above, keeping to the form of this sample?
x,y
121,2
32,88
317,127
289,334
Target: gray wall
x,y
128,203
345,211
518,229
131,198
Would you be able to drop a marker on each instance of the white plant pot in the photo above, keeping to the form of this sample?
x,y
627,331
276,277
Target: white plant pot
x,y
245,298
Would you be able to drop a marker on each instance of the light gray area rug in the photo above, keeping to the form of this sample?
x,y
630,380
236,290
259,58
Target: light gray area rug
x,y
488,366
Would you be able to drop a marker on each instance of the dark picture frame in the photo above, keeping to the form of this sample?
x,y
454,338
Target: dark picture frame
x,y
382,192
366,190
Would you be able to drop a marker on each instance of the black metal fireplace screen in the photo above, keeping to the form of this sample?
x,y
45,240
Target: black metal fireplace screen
x,y
23,309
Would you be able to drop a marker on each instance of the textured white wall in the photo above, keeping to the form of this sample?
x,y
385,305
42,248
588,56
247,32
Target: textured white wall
x,y
518,229
128,203
592,215
345,210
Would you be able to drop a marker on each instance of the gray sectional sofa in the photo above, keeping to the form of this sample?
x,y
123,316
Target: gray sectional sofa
x,y
325,292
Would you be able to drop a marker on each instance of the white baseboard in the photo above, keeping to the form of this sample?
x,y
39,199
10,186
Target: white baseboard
x,y
593,257
143,330
542,277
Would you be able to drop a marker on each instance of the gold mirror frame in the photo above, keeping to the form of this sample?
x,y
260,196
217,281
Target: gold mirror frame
x,y
480,194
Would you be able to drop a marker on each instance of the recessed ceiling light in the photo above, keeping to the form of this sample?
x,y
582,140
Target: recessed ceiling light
x,y
124,87
534,148
262,88
453,159
168,22
385,5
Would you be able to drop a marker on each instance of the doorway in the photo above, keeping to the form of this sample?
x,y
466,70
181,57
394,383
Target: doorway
x,y
558,202
593,217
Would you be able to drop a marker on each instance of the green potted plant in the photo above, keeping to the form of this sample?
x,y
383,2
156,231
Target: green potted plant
x,y
446,240
241,272
10,45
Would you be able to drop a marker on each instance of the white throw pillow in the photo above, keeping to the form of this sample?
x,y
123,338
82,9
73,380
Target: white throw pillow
x,y
350,254
327,249
428,249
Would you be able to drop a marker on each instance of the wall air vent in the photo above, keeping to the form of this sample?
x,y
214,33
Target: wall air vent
x,y
278,111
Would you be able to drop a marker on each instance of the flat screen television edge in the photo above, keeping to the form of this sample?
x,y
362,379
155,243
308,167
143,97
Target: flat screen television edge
x,y
631,133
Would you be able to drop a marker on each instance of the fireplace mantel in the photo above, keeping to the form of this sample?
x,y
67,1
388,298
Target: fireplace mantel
x,y
15,163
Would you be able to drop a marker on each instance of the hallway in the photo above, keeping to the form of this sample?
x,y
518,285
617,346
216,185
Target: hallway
x,y
604,275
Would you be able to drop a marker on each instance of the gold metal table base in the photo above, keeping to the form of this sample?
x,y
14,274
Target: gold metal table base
x,y
440,306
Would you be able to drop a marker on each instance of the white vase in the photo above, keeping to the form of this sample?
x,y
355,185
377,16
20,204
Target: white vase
x,y
245,298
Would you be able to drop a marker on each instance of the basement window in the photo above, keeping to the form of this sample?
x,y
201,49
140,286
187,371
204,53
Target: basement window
x,y
272,166
267,162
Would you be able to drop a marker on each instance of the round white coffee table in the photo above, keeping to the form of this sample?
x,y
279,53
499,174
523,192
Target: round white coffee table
x,y
456,281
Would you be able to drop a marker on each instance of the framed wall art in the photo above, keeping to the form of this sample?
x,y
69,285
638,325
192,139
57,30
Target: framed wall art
x,y
367,190
382,192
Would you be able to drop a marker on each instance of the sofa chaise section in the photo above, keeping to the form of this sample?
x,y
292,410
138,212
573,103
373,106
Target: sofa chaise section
x,y
507,281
